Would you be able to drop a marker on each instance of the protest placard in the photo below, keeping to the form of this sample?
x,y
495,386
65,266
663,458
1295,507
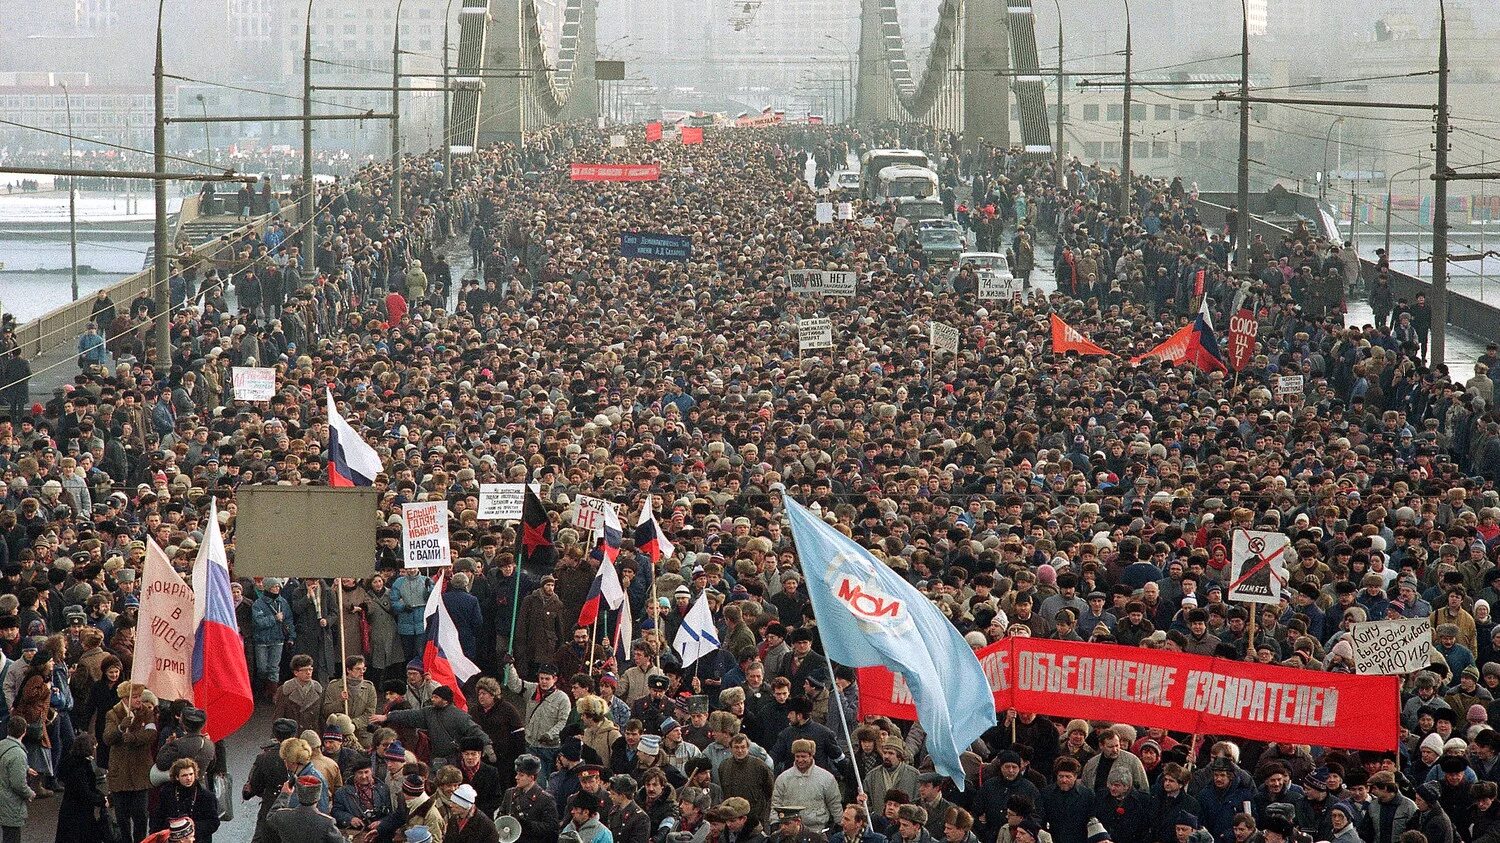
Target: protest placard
x,y
846,210
992,287
943,337
823,283
616,141
1392,647
814,333
824,212
1289,385
164,630
501,501
1257,566
253,383
424,533
588,513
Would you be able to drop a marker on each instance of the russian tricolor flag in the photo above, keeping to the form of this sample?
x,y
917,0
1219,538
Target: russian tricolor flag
x,y
606,584
351,461
221,678
443,656
649,538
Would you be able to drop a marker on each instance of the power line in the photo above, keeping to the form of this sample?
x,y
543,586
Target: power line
x,y
260,91
170,157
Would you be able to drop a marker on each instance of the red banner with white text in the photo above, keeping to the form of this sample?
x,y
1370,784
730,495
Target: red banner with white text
x,y
616,172
1177,691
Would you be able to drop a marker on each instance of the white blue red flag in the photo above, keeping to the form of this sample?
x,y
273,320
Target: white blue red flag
x,y
868,615
649,539
443,656
351,461
221,676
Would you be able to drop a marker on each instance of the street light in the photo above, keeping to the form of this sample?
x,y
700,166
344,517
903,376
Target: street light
x,y
1327,139
447,101
1415,168
1125,190
72,195
308,201
396,114
208,146
1241,231
159,165
847,83
1057,154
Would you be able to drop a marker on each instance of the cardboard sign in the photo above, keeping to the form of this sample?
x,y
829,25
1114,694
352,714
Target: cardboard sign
x,y
665,247
253,383
992,287
943,337
818,282
1257,566
501,501
424,533
588,513
815,333
1384,648
1289,385
824,212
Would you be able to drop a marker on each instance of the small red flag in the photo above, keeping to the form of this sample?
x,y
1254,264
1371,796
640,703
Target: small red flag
x,y
1066,338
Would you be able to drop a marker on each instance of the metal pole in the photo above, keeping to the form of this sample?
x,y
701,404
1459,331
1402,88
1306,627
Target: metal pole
x,y
208,145
1242,221
159,157
308,201
73,197
1388,180
1440,201
1057,152
447,107
1327,139
1125,190
396,115
1353,200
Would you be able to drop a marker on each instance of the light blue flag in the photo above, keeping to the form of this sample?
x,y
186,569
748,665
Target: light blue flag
x,y
868,615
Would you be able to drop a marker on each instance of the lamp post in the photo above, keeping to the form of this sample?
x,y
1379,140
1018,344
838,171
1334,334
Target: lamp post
x,y
1327,139
308,201
1440,201
1057,152
159,160
1241,231
1415,168
1125,190
847,81
447,103
396,114
208,145
72,195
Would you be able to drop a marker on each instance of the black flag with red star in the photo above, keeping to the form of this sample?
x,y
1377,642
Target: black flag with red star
x,y
539,555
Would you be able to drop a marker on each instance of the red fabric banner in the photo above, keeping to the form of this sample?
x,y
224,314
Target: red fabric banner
x,y
691,135
653,132
616,172
1242,331
1066,338
1178,691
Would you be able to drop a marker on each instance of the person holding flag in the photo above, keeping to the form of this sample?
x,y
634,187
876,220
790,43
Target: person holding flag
x,y
649,538
906,634
221,678
351,460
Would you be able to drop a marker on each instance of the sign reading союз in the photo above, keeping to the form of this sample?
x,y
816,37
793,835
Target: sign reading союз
x,y
1180,691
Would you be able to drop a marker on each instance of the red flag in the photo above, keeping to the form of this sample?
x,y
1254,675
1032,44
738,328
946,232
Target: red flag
x,y
1242,331
692,135
1066,338
653,132
1194,344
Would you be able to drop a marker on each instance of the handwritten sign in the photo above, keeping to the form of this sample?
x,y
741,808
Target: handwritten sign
x,y
846,210
424,533
1289,385
824,212
1392,647
588,513
1257,566
616,141
943,337
814,333
823,282
501,501
164,632
254,383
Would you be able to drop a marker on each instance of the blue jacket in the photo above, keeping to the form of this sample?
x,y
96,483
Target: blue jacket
x,y
1217,808
263,611
463,608
409,600
91,349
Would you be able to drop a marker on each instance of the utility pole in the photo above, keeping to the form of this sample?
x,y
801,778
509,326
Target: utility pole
x,y
159,164
308,202
1440,201
73,195
1125,190
1057,152
1242,219
396,115
447,106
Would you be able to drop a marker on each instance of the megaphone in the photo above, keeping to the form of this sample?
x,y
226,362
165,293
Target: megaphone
x,y
509,828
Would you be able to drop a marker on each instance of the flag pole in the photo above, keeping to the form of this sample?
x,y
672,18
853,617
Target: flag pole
x,y
343,643
515,600
594,641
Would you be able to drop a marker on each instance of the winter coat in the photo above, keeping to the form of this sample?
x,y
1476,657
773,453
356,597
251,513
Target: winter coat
x,y
385,647
546,715
1125,760
81,818
197,802
268,630
1403,811
132,747
14,791
408,600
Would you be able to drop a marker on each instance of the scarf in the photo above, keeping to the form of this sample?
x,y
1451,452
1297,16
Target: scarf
x,y
365,794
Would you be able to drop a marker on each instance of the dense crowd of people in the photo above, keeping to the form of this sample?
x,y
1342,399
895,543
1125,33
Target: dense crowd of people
x,y
1025,492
